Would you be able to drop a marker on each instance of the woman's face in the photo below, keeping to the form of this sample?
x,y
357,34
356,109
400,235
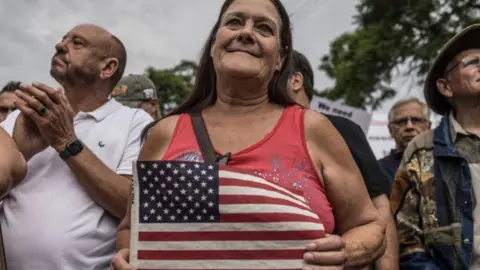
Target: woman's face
x,y
247,43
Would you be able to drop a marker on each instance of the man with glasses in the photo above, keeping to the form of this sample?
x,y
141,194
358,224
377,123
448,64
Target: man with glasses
x,y
7,98
436,191
406,119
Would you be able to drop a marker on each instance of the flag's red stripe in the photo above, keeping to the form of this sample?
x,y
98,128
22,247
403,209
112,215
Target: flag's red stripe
x,y
257,199
219,269
266,217
220,254
230,236
242,183
243,171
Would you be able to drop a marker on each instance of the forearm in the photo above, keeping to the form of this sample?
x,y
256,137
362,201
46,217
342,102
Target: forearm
x,y
123,231
13,169
104,186
26,152
18,166
13,166
389,260
364,244
123,238
23,146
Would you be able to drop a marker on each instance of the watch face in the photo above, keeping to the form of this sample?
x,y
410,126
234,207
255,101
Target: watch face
x,y
75,147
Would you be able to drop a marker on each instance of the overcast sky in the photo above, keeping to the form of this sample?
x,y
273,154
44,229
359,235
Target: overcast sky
x,y
159,33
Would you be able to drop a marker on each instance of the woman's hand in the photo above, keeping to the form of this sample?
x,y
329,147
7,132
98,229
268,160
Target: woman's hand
x,y
326,253
121,259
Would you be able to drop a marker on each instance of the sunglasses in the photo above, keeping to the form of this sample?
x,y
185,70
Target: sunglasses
x,y
414,120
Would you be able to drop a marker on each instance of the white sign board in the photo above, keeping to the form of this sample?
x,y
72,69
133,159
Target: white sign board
x,y
379,136
358,116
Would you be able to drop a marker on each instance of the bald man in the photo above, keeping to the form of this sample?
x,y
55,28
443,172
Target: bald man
x,y
79,146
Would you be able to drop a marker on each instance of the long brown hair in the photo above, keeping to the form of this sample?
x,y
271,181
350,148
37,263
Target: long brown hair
x,y
204,91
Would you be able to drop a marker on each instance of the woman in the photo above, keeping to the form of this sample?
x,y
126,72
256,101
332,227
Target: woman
x,y
241,91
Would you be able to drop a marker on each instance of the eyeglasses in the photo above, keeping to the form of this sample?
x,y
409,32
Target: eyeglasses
x,y
469,61
414,120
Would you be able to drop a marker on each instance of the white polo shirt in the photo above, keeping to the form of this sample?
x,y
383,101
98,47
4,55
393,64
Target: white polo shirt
x,y
48,221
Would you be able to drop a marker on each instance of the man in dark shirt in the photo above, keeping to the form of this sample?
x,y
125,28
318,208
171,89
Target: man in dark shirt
x,y
406,119
301,90
390,164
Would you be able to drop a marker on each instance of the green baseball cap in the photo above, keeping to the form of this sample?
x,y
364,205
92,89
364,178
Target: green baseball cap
x,y
468,38
134,89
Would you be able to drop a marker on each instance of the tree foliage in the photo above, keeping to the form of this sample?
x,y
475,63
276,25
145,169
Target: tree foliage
x,y
391,36
173,84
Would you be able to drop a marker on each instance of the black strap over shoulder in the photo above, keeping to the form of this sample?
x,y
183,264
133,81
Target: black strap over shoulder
x,y
3,260
204,142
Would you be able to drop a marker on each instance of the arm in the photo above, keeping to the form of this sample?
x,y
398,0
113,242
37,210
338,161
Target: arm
x,y
389,260
155,146
108,188
377,185
25,134
357,219
123,230
103,185
13,166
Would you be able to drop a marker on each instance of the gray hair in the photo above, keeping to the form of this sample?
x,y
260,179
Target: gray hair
x,y
391,113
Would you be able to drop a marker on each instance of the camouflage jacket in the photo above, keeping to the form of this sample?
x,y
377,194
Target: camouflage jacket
x,y
433,204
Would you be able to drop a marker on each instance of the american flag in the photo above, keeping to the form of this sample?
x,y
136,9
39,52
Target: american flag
x,y
189,215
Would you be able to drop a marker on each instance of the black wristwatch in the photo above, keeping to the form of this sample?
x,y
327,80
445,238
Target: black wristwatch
x,y
72,149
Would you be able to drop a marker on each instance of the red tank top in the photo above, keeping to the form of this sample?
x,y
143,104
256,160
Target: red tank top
x,y
280,157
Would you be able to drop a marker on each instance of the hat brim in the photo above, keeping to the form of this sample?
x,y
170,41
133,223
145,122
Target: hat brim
x,y
131,103
468,38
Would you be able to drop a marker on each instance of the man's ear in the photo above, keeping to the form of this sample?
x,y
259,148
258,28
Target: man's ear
x,y
108,68
296,82
444,88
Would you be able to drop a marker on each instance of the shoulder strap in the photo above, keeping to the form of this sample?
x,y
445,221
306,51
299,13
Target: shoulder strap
x,y
3,260
203,139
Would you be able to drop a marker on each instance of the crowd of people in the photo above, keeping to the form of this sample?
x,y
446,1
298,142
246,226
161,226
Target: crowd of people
x,y
66,166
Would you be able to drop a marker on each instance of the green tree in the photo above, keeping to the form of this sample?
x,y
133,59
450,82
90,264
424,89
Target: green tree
x,y
392,38
173,84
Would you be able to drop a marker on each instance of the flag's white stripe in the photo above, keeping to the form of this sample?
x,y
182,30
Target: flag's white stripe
x,y
224,245
221,264
241,190
263,208
218,227
251,178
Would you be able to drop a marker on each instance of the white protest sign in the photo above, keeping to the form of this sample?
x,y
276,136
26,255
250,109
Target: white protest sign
x,y
360,117
379,136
